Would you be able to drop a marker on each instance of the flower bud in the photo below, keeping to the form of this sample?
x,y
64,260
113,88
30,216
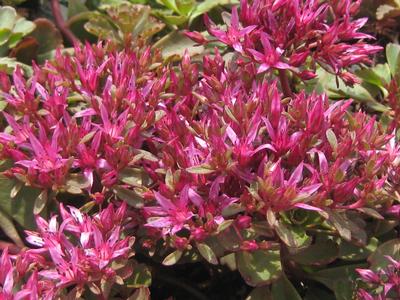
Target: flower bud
x,y
180,243
199,234
243,222
196,36
249,246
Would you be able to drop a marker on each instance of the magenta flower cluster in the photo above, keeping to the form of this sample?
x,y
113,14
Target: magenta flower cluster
x,y
80,252
189,150
382,284
297,35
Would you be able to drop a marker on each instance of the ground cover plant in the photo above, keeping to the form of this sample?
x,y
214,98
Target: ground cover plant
x,y
199,150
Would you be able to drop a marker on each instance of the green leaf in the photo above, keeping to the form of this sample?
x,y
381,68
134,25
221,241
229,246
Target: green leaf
x,y
6,164
207,253
362,93
207,5
385,226
371,212
172,258
175,44
201,169
76,7
8,227
140,294
229,239
330,135
229,261
134,177
47,36
232,209
172,19
185,6
346,228
143,154
392,56
171,4
8,17
379,75
3,104
224,225
40,202
320,253
101,27
344,289
259,267
21,207
8,65
292,236
351,252
283,289
75,183
330,277
141,276
4,36
77,24
14,39
390,248
24,26
169,180
129,196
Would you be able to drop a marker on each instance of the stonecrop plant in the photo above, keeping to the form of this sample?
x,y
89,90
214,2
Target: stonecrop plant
x,y
132,164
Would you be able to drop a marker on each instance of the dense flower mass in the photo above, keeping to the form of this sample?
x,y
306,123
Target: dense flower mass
x,y
192,157
216,142
383,284
80,252
295,34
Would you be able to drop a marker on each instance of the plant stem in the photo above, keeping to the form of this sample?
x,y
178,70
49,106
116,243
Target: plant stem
x,y
287,91
58,18
12,248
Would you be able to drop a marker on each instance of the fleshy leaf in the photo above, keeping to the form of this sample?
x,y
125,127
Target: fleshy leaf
x,y
390,248
129,196
259,267
175,44
172,258
40,202
320,253
292,236
9,229
207,253
141,276
283,289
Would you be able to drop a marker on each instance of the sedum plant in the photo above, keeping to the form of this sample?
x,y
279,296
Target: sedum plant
x,y
12,29
123,23
222,164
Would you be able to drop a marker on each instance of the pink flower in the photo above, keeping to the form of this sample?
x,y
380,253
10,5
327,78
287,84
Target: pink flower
x,y
235,33
88,258
170,216
271,58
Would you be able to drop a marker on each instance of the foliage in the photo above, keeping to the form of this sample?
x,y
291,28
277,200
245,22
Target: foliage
x,y
24,41
128,159
131,22
12,29
182,12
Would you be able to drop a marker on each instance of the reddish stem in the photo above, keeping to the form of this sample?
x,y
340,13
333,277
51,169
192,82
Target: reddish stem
x,y
287,91
58,18
12,248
